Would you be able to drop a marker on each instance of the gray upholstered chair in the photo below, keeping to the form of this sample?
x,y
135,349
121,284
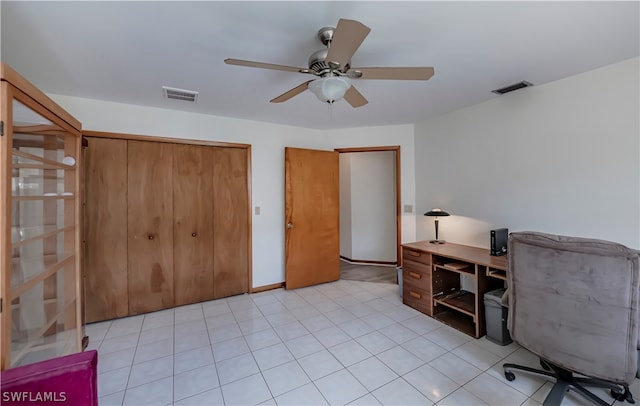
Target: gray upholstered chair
x,y
574,303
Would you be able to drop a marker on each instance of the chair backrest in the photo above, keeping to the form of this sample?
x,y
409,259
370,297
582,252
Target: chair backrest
x,y
574,302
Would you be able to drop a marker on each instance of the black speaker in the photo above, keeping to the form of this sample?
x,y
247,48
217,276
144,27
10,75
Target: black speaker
x,y
499,238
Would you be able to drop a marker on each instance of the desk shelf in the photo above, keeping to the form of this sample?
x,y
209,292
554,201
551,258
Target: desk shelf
x,y
459,300
449,264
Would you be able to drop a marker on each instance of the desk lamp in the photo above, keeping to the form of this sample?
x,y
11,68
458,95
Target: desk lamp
x,y
437,213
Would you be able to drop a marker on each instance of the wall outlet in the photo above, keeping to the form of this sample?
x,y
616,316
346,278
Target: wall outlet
x,y
408,208
257,210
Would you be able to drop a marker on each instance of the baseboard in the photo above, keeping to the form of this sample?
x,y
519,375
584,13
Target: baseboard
x,y
368,262
267,287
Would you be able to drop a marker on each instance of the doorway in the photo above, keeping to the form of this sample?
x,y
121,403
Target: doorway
x,y
370,229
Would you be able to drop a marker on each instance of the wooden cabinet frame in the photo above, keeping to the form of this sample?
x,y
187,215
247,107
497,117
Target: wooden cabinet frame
x,y
60,307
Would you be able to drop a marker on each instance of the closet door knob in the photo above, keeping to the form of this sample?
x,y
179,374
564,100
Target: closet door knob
x,y
289,225
194,234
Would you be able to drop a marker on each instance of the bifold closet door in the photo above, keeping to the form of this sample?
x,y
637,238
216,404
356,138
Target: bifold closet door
x,y
193,223
150,231
230,221
106,229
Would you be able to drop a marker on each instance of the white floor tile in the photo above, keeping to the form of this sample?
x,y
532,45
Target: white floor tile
x,y
233,369
153,350
153,393
447,338
366,400
349,353
229,349
247,391
356,328
424,349
306,395
462,397
431,382
116,360
320,364
220,320
331,336
254,325
340,388
400,393
262,339
340,316
195,381
125,326
526,383
281,318
285,378
400,360
195,339
156,334
118,343
398,333
224,332
304,345
270,357
215,308
494,392
372,373
149,371
290,331
316,323
211,397
455,368
476,356
115,399
375,342
113,381
421,324
192,359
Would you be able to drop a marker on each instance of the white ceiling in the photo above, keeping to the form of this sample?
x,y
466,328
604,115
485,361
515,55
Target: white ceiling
x,y
125,52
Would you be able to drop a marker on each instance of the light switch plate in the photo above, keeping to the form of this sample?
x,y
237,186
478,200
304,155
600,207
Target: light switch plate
x,y
257,210
408,208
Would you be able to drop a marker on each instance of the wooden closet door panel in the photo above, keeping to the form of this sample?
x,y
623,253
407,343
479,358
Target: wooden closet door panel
x,y
106,229
150,218
193,223
230,221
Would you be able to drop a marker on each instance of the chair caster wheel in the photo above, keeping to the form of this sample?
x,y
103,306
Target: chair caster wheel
x,y
622,395
509,375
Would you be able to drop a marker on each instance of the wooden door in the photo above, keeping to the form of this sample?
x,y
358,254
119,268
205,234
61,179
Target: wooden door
x,y
150,231
230,221
312,217
192,223
106,229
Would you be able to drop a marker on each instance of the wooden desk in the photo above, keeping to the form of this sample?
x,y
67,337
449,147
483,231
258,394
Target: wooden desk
x,y
431,280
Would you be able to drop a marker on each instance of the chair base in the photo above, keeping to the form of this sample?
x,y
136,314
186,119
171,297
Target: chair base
x,y
566,381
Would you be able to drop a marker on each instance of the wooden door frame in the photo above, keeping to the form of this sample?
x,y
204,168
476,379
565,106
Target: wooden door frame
x,y
396,149
137,137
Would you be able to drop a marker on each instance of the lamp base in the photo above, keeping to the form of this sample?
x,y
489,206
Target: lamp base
x,y
437,241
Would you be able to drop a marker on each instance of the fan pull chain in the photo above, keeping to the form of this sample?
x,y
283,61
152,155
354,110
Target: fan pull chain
x,y
330,110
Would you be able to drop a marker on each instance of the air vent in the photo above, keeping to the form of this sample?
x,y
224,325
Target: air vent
x,y
180,94
512,87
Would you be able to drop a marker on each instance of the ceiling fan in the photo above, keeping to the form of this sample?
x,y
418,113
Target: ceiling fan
x,y
332,66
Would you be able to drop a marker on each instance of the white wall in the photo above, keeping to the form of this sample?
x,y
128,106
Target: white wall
x,y
370,233
345,206
267,141
561,158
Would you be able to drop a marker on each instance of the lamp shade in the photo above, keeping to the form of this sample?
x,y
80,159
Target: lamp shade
x,y
330,88
437,213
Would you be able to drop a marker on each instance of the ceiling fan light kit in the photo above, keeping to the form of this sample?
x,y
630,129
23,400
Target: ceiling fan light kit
x,y
330,88
332,66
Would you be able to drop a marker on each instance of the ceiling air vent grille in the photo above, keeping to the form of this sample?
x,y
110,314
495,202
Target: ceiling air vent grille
x,y
180,94
512,87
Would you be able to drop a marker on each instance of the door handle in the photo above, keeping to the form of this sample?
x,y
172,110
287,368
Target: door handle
x,y
289,225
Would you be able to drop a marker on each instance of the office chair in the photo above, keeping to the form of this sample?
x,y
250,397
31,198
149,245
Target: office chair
x,y
574,303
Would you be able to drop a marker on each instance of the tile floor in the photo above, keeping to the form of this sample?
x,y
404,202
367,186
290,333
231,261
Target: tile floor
x,y
346,342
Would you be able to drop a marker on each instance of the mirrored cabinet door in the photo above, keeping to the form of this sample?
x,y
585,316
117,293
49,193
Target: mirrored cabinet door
x,y
41,275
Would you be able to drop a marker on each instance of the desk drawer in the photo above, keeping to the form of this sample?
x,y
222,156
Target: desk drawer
x,y
415,255
416,277
418,299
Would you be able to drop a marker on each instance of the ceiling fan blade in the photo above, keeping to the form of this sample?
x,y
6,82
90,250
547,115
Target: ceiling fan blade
x,y
252,64
293,92
346,40
423,73
355,98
